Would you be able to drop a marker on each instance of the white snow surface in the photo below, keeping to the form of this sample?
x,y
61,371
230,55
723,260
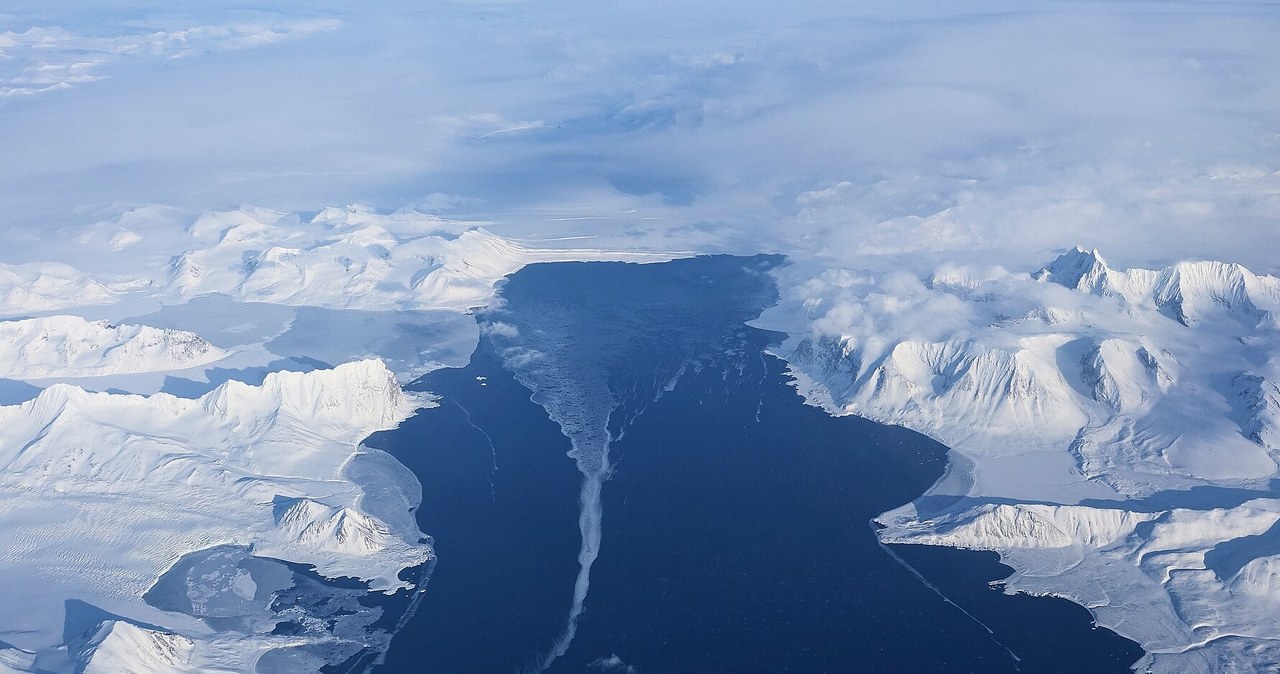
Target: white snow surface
x,y
101,493
70,346
1107,430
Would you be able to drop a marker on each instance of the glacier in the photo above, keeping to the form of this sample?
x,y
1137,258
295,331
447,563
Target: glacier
x,y
1112,431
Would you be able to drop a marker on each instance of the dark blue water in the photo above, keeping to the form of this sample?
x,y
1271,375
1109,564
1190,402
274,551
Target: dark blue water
x,y
735,532
510,535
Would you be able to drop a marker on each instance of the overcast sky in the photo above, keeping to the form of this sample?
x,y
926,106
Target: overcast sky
x,y
999,130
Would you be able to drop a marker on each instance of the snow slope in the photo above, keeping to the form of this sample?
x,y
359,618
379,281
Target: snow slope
x,y
101,493
70,346
1145,395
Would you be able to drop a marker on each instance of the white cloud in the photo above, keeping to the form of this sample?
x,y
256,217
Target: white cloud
x,y
505,330
1146,128
48,58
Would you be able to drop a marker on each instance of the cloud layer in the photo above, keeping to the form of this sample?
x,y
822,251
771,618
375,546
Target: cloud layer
x,y
1150,129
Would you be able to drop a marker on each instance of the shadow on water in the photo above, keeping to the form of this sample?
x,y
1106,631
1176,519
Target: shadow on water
x,y
735,530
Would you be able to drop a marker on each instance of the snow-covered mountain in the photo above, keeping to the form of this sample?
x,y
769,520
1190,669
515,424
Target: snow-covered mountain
x,y
353,258
1188,292
47,286
116,647
328,287
1085,401
102,493
70,346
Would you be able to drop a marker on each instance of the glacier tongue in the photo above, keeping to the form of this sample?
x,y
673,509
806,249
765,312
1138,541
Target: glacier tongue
x,y
1113,432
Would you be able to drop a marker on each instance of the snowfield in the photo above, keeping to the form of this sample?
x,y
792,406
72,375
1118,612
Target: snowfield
x,y
1114,433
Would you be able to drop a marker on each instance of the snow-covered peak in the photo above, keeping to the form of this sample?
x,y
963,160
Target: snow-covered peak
x,y
1258,400
1192,291
354,397
407,223
242,224
1124,373
1035,525
70,346
1078,269
1187,291
315,525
